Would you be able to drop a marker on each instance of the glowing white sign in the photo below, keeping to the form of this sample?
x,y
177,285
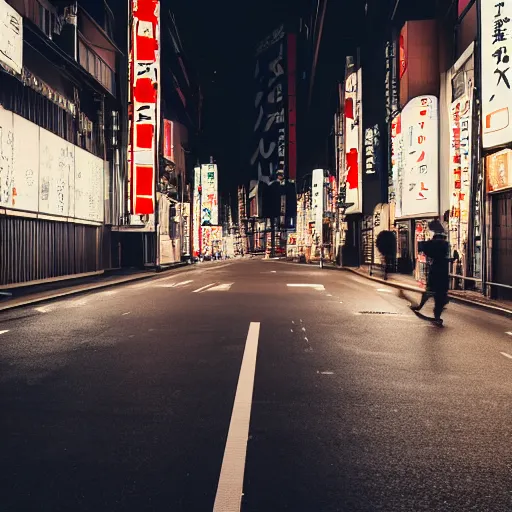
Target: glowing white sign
x,y
496,49
420,188
11,37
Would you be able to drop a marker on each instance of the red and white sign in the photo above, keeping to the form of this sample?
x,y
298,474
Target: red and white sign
x,y
353,178
420,185
496,48
144,94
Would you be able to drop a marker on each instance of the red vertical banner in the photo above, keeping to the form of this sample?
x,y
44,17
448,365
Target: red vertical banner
x,y
144,108
292,105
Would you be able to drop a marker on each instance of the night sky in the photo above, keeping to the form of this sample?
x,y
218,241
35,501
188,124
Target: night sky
x,y
219,39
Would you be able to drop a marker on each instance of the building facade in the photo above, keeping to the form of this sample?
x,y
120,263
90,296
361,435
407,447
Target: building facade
x,y
59,118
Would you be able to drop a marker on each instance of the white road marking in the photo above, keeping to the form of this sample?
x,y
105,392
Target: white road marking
x,y
231,480
341,302
384,290
319,287
506,355
509,333
326,373
127,313
204,288
4,332
221,287
183,283
170,285
329,295
273,271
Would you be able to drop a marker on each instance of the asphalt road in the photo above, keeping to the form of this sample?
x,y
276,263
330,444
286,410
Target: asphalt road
x,y
122,400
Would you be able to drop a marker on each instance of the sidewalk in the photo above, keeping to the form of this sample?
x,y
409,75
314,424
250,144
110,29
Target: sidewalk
x,y
23,296
470,298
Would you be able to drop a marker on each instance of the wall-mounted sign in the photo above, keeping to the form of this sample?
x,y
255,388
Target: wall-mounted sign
x,y
268,158
318,203
209,195
144,94
11,38
397,167
391,82
169,140
496,48
54,178
353,175
420,187
498,169
372,148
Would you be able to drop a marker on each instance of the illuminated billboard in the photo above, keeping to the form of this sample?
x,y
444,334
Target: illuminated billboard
x,y
420,186
144,97
353,138
53,178
318,204
11,42
397,164
209,195
496,48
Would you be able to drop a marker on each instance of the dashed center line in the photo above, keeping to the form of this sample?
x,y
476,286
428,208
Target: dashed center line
x,y
504,354
4,332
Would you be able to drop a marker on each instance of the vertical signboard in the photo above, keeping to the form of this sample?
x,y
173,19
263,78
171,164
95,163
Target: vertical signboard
x,y
144,78
391,83
318,204
209,195
461,169
353,138
292,107
11,38
420,124
496,72
268,158
169,140
397,167
196,208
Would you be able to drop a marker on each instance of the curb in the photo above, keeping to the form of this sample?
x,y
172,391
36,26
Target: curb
x,y
453,298
88,288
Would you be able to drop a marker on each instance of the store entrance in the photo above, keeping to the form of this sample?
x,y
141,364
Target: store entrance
x,y
502,244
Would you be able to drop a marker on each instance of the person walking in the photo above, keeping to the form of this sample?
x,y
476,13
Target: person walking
x,y
438,280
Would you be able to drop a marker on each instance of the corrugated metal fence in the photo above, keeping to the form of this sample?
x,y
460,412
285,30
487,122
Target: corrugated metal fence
x,y
33,249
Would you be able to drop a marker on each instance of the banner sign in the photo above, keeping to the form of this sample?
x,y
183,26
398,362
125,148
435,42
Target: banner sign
x,y
144,78
496,72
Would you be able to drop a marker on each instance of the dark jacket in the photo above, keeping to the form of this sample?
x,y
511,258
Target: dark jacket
x,y
437,250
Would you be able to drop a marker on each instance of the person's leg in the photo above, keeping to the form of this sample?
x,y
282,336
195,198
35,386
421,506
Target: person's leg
x,y
424,298
440,299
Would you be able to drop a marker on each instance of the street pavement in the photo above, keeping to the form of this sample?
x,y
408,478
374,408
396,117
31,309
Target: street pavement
x,y
124,399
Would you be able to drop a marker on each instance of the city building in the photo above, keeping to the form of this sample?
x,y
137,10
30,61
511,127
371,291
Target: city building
x,y
59,117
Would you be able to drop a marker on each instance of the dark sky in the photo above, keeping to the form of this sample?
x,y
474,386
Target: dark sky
x,y
219,39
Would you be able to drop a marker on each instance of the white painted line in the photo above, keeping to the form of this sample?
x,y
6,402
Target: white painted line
x,y
329,295
204,288
183,283
509,333
273,271
326,373
4,332
231,480
319,287
384,290
170,285
506,355
124,314
221,287
341,302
